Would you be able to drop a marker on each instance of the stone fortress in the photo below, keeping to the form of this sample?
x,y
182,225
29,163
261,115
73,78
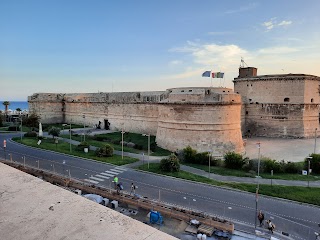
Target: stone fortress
x,y
205,118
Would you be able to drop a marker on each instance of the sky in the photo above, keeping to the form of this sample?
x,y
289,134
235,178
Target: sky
x,y
79,46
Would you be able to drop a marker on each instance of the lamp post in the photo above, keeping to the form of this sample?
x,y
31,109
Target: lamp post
x,y
148,135
315,140
309,158
21,128
84,128
210,153
122,132
257,189
69,134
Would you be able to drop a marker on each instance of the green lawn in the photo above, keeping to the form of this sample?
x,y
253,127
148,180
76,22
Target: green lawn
x,y
300,194
113,138
240,173
64,147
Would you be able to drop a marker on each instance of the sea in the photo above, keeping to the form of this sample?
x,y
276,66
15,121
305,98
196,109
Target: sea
x,y
23,105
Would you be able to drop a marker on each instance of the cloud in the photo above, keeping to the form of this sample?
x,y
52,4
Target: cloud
x,y
285,23
270,60
278,50
220,33
273,23
269,25
242,9
175,62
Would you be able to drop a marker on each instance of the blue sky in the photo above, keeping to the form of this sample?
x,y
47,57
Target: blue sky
x,y
91,46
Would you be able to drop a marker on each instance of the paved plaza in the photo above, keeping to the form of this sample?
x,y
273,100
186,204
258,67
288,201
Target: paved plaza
x,y
294,150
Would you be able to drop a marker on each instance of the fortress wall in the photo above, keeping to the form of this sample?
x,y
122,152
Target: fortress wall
x,y
276,88
213,127
137,118
281,120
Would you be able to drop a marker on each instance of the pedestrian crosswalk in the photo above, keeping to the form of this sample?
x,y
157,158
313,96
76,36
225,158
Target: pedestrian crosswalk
x,y
102,176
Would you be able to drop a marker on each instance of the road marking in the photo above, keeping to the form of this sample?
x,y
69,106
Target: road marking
x,y
100,176
117,170
107,174
121,168
110,171
88,180
98,179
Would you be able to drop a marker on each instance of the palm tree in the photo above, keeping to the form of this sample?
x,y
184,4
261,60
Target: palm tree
x,y
6,104
18,110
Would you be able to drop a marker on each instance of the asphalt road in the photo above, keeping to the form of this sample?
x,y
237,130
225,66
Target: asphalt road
x,y
299,220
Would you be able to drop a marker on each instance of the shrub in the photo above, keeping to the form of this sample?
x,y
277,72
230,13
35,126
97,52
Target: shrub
x,y
202,158
106,151
189,154
314,163
153,146
291,167
14,128
234,160
82,146
30,134
170,164
138,146
270,164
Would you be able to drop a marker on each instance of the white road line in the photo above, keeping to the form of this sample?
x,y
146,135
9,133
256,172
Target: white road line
x,y
122,168
98,179
107,174
117,170
114,173
88,180
100,176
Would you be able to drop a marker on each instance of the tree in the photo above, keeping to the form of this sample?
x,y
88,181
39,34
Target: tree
x,y
18,110
54,131
6,104
32,120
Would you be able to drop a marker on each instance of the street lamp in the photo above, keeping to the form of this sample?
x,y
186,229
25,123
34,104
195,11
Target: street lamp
x,y
210,153
148,135
309,158
69,133
84,128
122,132
21,127
257,189
315,140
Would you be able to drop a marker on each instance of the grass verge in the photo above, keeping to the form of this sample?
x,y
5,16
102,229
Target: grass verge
x,y
111,138
64,147
299,194
240,173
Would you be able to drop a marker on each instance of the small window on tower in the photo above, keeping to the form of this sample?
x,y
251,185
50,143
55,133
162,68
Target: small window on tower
x,y
311,99
286,99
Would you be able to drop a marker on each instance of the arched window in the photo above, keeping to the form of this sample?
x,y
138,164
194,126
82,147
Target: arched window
x,y
286,99
311,99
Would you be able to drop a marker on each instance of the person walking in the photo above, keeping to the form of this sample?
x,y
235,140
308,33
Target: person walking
x,y
115,181
261,217
133,189
271,226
